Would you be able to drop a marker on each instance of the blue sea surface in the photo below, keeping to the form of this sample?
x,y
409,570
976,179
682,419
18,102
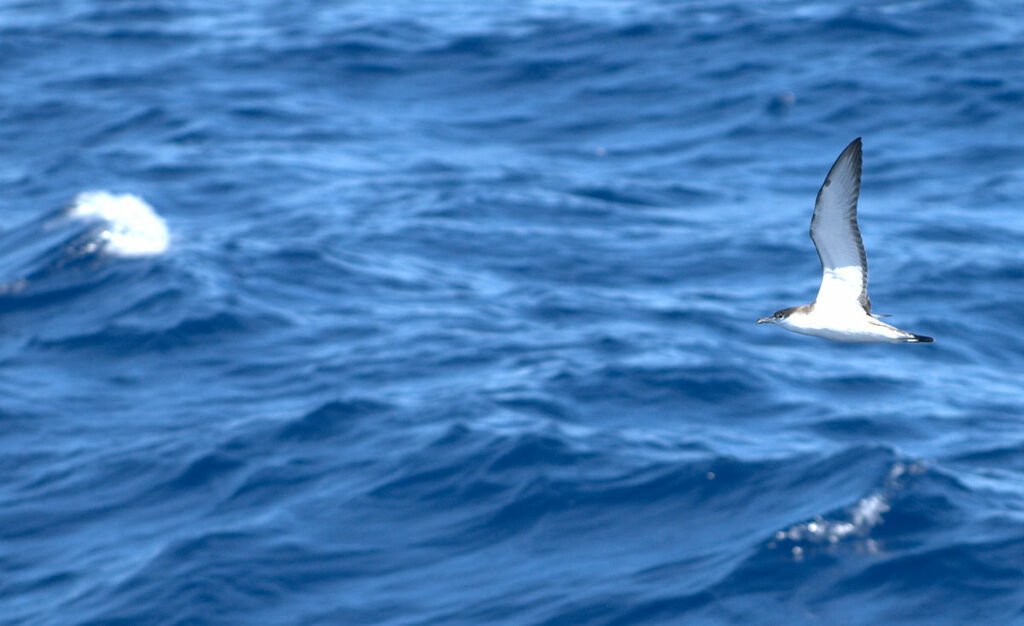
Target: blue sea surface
x,y
419,313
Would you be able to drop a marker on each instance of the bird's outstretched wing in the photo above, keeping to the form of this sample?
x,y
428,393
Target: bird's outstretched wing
x,y
844,266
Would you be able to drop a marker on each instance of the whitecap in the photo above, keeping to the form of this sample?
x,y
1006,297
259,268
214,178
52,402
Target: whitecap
x,y
131,226
856,523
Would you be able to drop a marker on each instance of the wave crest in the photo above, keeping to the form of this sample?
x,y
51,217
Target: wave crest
x,y
132,227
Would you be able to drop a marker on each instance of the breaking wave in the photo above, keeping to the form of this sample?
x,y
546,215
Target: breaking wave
x,y
130,226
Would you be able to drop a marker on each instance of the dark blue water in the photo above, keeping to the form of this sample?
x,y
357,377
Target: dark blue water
x,y
454,320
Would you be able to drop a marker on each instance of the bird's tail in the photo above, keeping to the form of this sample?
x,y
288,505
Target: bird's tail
x,y
918,339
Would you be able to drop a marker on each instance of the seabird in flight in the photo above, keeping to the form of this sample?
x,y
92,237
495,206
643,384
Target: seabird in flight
x,y
842,310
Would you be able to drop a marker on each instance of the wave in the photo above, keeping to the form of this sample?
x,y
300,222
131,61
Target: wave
x,y
130,227
43,254
854,524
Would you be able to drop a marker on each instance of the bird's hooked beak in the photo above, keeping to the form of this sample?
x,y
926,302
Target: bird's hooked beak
x,y
765,320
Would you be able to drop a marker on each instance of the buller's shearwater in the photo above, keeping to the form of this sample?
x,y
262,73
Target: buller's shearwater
x,y
842,310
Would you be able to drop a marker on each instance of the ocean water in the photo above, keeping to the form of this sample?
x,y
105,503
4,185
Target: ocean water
x,y
442,312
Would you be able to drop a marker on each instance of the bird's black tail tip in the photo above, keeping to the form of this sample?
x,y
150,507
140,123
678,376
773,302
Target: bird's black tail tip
x,y
920,339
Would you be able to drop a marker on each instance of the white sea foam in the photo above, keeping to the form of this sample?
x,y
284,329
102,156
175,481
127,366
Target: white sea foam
x,y
859,520
132,227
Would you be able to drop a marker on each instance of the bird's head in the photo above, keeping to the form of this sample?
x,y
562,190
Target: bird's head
x,y
777,317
